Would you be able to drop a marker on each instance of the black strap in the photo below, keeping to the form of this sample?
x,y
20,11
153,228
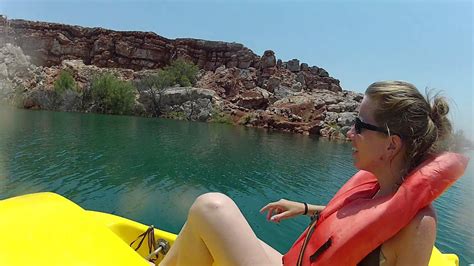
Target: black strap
x,y
151,239
320,250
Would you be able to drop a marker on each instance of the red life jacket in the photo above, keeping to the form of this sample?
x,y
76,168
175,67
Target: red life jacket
x,y
353,224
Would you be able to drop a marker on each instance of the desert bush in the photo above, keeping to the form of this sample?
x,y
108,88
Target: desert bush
x,y
177,115
221,117
179,72
113,95
65,82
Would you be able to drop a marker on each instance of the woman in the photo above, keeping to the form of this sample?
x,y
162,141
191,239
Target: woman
x,y
396,130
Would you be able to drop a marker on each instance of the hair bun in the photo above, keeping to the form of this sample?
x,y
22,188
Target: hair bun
x,y
439,112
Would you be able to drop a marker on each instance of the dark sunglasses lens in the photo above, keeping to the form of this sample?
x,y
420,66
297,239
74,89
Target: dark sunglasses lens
x,y
357,126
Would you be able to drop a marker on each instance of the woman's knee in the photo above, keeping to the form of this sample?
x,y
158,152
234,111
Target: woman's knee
x,y
209,203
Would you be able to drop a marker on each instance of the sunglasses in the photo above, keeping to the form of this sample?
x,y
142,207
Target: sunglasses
x,y
359,125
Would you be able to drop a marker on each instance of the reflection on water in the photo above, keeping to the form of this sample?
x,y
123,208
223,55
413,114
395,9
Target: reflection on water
x,y
151,170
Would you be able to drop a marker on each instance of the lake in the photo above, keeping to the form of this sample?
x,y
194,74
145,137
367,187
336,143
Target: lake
x,y
151,170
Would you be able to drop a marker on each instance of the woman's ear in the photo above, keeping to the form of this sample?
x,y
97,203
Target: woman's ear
x,y
394,145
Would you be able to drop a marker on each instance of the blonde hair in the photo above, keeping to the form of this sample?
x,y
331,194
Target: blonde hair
x,y
421,122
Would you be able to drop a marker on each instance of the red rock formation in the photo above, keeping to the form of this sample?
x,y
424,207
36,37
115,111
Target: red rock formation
x,y
50,43
251,90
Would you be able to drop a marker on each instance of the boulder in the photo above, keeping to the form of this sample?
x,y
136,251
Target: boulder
x,y
334,87
304,67
322,72
279,63
253,99
198,110
319,103
346,119
180,95
226,83
296,87
248,78
349,106
331,118
74,65
301,106
272,83
300,77
314,128
268,59
334,108
282,92
293,65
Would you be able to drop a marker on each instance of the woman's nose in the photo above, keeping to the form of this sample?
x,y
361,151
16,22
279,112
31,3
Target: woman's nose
x,y
350,134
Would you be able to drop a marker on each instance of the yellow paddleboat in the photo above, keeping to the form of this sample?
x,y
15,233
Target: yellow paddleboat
x,y
46,229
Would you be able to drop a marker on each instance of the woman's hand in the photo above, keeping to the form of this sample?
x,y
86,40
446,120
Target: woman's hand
x,y
283,209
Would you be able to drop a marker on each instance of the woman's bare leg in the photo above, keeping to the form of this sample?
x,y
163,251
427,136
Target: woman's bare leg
x,y
217,231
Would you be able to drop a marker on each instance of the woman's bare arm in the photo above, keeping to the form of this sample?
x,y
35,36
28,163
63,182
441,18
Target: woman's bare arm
x,y
284,209
414,243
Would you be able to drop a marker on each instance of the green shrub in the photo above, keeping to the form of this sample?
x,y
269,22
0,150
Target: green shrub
x,y
245,119
334,126
65,82
177,115
221,117
113,95
179,72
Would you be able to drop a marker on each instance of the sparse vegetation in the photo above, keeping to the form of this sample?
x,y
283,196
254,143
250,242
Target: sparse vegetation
x,y
113,95
334,127
178,115
65,82
221,117
334,131
179,73
245,119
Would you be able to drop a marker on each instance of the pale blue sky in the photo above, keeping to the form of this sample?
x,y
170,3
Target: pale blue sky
x,y
428,43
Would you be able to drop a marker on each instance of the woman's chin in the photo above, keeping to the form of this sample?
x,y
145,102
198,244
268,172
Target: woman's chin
x,y
355,162
358,165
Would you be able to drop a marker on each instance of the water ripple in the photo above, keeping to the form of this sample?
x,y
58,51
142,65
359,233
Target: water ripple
x,y
151,170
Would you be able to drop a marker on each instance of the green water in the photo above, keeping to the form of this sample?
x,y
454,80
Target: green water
x,y
151,170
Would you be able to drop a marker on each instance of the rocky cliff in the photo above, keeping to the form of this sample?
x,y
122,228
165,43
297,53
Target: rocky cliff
x,y
50,43
252,90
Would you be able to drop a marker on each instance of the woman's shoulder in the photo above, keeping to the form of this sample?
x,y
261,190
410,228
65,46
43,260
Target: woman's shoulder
x,y
420,230
414,243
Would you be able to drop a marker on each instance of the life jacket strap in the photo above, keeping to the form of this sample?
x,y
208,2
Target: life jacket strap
x,y
321,250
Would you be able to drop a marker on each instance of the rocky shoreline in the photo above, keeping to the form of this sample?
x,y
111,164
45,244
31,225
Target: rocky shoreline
x,y
233,85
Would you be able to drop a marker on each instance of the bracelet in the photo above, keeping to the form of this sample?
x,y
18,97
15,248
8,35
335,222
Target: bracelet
x,y
305,208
